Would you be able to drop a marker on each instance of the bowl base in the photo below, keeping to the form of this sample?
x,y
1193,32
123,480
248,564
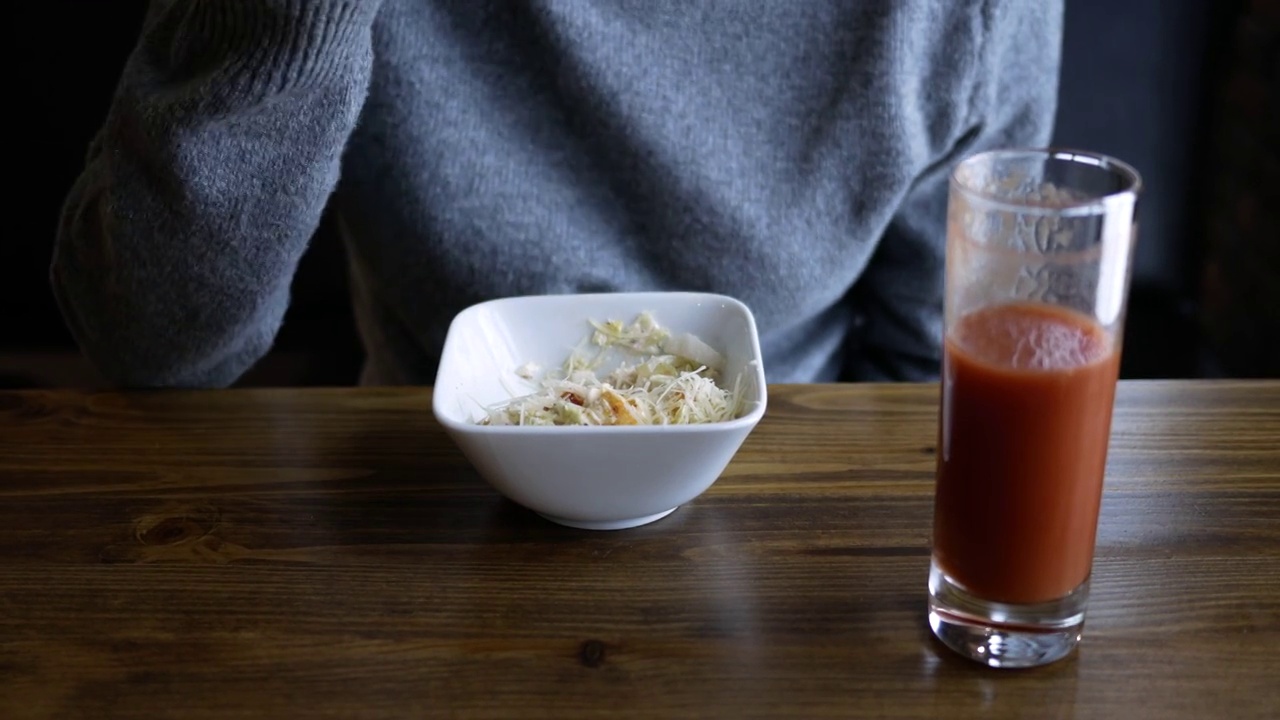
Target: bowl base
x,y
609,524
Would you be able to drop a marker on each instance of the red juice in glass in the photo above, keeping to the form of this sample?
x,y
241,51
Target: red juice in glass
x,y
1023,446
1039,245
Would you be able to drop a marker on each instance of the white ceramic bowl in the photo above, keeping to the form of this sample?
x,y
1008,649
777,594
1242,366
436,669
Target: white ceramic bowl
x,y
593,477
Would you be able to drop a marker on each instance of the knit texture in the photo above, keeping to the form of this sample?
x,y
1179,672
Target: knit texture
x,y
791,154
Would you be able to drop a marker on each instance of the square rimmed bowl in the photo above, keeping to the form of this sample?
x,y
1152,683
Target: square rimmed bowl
x,y
592,477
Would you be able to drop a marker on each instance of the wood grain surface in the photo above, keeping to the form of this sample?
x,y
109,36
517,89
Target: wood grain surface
x,y
328,554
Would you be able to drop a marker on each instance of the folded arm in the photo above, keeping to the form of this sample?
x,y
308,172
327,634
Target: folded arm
x,y
178,242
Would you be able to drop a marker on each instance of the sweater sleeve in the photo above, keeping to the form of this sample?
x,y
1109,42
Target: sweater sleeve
x,y
900,295
177,244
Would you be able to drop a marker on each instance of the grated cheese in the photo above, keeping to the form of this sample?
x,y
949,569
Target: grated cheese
x,y
666,381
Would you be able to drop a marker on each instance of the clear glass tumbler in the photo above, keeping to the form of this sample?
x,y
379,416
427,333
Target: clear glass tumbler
x,y
1039,248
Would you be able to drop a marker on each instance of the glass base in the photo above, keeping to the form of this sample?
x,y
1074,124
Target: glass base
x,y
1003,635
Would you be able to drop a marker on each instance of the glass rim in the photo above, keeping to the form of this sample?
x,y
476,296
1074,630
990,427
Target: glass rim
x,y
1092,205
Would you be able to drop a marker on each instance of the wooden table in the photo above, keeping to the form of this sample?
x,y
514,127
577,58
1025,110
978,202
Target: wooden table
x,y
327,553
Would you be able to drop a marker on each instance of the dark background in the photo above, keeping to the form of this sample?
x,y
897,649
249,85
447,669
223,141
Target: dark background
x,y
1157,83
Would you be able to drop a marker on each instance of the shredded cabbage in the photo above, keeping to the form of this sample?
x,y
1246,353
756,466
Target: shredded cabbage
x,y
668,381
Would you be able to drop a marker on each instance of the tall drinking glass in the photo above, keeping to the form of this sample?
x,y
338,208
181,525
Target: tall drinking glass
x,y
1039,247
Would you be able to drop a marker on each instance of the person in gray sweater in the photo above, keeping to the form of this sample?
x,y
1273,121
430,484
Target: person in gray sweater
x,y
794,155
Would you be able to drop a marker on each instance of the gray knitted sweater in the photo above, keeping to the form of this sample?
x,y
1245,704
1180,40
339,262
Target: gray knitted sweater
x,y
791,153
